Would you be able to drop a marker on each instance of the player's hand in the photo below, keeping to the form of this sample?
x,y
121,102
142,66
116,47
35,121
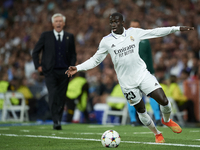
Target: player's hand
x,y
185,28
71,71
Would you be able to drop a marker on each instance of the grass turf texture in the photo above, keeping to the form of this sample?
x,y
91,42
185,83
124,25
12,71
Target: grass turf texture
x,y
87,137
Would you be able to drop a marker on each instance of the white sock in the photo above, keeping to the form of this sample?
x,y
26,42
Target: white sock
x,y
147,121
166,111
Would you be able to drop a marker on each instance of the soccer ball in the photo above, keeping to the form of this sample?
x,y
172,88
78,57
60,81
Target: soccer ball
x,y
110,138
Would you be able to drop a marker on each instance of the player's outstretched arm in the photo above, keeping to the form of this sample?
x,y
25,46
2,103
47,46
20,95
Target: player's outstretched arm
x,y
185,28
71,71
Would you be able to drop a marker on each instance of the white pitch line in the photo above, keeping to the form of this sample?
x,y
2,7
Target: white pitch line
x,y
100,126
65,138
25,130
89,133
142,132
124,133
194,131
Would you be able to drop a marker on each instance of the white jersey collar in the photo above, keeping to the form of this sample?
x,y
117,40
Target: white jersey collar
x,y
119,35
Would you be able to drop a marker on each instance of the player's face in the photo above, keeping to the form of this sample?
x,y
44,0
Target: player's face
x,y
58,23
116,24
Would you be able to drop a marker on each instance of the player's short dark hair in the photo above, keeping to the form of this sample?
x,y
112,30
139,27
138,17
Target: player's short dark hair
x,y
118,14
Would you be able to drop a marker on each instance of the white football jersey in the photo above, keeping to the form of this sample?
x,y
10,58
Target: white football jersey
x,y
123,49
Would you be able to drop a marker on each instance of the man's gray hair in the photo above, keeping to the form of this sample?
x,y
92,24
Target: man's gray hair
x,y
57,15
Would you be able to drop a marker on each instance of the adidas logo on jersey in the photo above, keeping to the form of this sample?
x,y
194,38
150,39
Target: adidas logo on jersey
x,y
112,46
156,84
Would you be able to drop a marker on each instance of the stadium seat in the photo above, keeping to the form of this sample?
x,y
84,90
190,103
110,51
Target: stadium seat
x,y
108,111
18,112
176,113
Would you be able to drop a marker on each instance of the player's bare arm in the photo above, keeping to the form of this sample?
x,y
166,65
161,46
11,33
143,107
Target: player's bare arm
x,y
71,71
185,28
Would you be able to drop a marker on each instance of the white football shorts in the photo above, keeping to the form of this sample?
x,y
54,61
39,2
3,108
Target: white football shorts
x,y
146,86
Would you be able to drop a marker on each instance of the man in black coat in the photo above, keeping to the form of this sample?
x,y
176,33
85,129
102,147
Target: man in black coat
x,y
58,53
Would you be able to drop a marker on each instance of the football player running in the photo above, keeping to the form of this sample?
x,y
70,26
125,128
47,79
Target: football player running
x,y
133,77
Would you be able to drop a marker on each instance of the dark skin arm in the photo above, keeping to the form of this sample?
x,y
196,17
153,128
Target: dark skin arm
x,y
71,71
185,28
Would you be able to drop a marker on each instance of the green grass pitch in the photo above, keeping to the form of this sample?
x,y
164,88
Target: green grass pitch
x,y
87,137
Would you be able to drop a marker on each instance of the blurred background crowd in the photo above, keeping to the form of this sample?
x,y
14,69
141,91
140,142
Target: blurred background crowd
x,y
23,21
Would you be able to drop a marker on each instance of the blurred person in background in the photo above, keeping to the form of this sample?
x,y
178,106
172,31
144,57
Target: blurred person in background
x,y
184,59
28,67
30,100
94,80
105,85
176,66
4,87
184,76
58,53
77,97
146,55
182,101
133,77
195,66
160,74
